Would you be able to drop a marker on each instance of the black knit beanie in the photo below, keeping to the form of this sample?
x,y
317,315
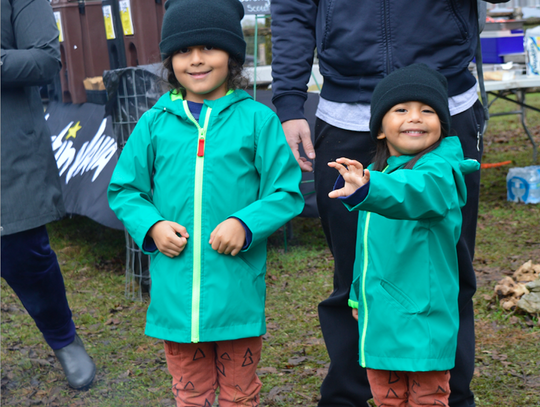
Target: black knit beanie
x,y
203,22
414,83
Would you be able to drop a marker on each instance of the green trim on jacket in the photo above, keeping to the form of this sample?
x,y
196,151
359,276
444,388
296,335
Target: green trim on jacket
x,y
197,221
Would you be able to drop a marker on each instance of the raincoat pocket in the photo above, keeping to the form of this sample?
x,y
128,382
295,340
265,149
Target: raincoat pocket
x,y
398,296
249,266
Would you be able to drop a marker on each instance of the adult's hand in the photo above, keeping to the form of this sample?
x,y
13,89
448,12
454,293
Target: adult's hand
x,y
297,131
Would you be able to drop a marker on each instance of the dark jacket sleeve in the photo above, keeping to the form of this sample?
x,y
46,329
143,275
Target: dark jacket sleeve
x,y
35,55
293,46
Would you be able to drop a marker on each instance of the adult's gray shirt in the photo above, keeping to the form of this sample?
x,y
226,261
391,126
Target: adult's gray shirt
x,y
31,193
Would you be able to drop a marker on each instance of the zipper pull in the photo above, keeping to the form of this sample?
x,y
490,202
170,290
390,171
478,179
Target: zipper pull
x,y
200,150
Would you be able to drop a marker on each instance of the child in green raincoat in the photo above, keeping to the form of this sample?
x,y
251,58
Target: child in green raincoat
x,y
204,179
405,287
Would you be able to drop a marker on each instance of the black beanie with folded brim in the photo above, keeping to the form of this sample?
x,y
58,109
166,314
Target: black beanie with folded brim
x,y
215,23
414,83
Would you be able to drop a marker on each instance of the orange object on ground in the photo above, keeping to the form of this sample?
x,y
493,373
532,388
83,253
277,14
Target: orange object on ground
x,y
493,165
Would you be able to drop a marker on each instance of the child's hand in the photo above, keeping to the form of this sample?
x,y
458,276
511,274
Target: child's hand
x,y
352,172
165,235
355,313
228,237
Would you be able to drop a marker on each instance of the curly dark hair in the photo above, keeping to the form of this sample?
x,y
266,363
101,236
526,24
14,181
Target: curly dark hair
x,y
235,80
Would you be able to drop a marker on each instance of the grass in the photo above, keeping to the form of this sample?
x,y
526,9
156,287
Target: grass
x,y
131,366
507,365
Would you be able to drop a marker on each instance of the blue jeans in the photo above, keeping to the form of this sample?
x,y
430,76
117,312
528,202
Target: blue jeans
x,y
31,269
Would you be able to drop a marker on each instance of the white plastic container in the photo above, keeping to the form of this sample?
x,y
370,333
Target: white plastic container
x,y
531,44
523,184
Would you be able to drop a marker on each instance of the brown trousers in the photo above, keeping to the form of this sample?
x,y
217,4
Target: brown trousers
x,y
404,389
199,369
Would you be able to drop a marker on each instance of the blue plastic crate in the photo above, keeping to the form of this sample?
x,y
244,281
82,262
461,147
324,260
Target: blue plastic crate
x,y
495,44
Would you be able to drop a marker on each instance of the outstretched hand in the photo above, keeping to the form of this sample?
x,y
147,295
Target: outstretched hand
x,y
353,174
228,237
169,237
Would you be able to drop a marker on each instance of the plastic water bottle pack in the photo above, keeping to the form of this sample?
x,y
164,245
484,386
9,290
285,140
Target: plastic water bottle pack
x,y
523,184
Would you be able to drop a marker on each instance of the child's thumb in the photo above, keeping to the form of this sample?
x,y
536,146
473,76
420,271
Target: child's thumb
x,y
181,230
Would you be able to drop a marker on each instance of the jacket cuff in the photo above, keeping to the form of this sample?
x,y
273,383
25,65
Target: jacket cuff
x,y
249,235
289,107
356,197
353,304
149,246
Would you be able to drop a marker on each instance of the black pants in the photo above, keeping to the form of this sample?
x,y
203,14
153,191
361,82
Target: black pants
x,y
31,269
346,383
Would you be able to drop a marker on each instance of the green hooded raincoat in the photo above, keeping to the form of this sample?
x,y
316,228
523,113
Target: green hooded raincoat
x,y
405,282
234,162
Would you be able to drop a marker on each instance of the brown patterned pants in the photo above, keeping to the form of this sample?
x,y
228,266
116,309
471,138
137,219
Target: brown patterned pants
x,y
404,389
199,369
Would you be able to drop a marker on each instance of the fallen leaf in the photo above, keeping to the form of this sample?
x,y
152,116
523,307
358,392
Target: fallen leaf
x,y
125,374
296,361
266,370
272,395
41,362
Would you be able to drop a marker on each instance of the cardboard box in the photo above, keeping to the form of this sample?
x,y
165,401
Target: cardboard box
x,y
95,90
95,83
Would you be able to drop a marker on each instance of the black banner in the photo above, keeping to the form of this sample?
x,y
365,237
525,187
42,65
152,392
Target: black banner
x,y
85,149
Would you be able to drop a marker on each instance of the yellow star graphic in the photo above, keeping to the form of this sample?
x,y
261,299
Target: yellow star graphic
x,y
72,132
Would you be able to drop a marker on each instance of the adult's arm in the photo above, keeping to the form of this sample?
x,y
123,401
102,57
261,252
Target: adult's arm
x,y
293,47
428,191
35,58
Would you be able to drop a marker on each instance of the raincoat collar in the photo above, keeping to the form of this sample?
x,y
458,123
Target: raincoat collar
x,y
170,102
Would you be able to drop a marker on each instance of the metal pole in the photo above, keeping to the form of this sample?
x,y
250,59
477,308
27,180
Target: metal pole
x,y
255,56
